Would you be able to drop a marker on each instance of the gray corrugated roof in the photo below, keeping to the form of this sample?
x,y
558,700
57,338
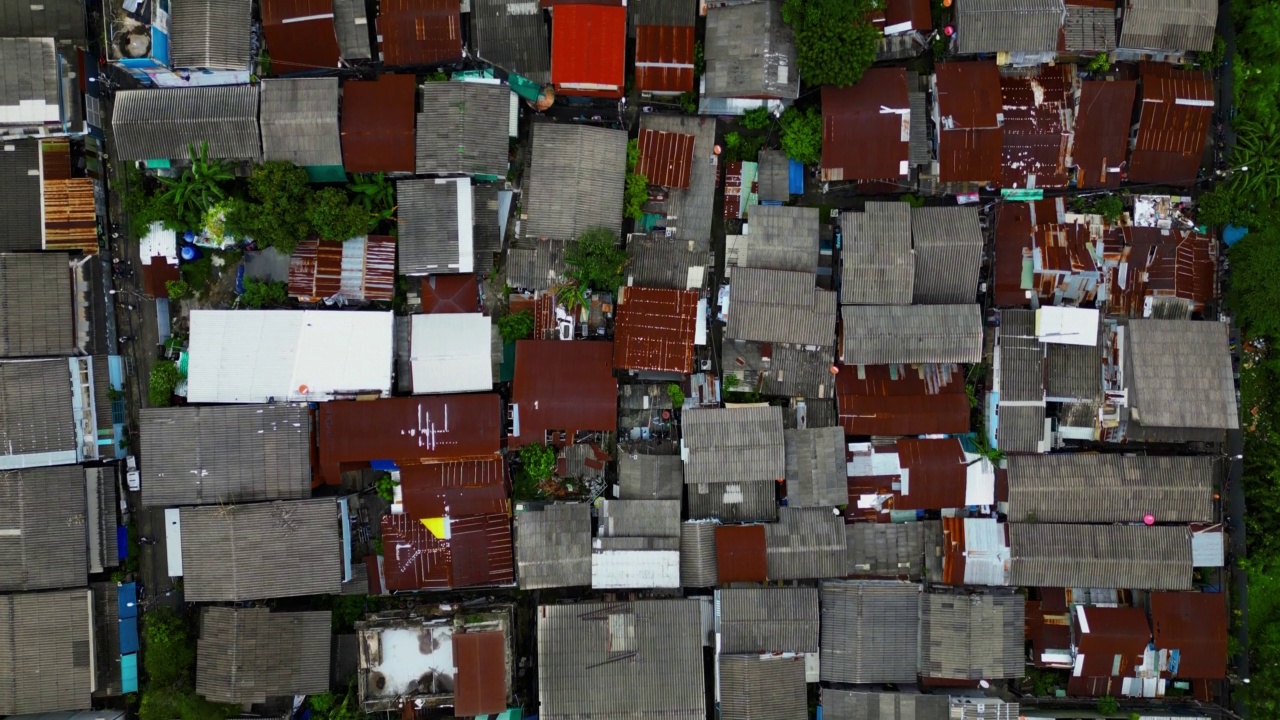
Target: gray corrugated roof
x,y
734,445
780,306
351,21
1111,488
62,20
853,705
553,546
733,501
1101,556
403,344
910,334
261,551
45,652
537,264
513,37
1021,369
28,73
650,477
972,637
103,482
878,267
639,519
657,261
790,371
805,543
816,473
919,150
300,121
430,226
459,129
246,655
782,237
205,455
690,210
36,413
576,180
768,620
773,179
892,549
869,631
1090,30
486,240
1072,372
1179,374
948,244
35,305
1168,25
20,193
212,34
106,647
753,688
698,566
1014,26
167,123
638,659
750,52
43,541
1020,428
674,13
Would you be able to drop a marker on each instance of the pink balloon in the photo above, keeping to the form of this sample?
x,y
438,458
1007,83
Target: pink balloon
x,y
1149,519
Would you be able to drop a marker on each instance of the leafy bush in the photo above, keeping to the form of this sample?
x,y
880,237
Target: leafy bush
x,y
538,461
334,217
197,274
264,293
168,650
1108,705
1110,207
516,326
278,217
635,196
688,103
165,377
756,119
177,289
184,703
595,261
676,394
835,43
1099,64
740,147
802,135
699,60
633,154
385,486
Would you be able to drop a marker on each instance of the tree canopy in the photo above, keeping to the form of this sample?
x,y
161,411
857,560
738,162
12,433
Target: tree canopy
x,y
835,43
802,135
595,261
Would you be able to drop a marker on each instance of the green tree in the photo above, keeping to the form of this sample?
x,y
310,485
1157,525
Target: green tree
x,y
635,196
183,703
1254,294
633,154
755,119
278,216
676,394
1108,705
699,60
802,135
835,43
334,217
196,189
165,377
264,293
385,486
378,196
516,326
1099,64
169,655
177,289
538,461
595,261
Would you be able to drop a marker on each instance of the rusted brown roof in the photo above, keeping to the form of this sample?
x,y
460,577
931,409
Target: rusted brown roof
x,y
1115,640
1037,127
664,58
450,294
420,32
880,404
740,553
666,158
477,553
654,329
1178,264
70,216
1015,224
860,139
1173,127
1102,132
317,270
566,386
480,677
377,124
1194,624
938,474
300,35
455,488
969,136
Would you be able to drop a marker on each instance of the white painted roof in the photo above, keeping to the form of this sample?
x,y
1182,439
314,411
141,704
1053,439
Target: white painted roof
x,y
159,242
250,356
1067,325
451,353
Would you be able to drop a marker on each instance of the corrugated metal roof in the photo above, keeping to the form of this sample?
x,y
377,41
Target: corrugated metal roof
x,y
436,220
70,216
46,651
733,445
650,477
866,127
740,553
477,553
1168,25
940,475
1195,625
972,637
1073,372
733,501
640,658
1101,556
554,546
780,306
698,554
670,13
351,22
853,705
639,519
654,329
576,179
589,49
869,631
169,122
36,313
1111,488
212,34
767,620
449,353
911,334
815,467
1090,27
896,550
455,488
300,35
245,655
377,124
1021,369
407,431
537,264
750,52
1179,375
562,386
419,32
664,58
689,211
1176,108
37,415
480,681
512,36
878,264
62,20
43,541
898,400
776,369
967,104
783,238
300,121
657,261
1112,644
805,543
20,188
1011,26
1020,428
763,687
358,269
1038,126
457,132
919,148
773,179
665,158
30,92
949,249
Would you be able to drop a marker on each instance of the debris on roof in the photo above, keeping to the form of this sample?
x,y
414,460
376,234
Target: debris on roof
x,y
553,545
778,369
750,53
805,543
866,128
1038,127
924,474
902,400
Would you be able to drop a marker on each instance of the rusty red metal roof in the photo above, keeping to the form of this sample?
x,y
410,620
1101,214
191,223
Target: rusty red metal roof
x,y
1064,248
969,136
1194,624
477,552
420,32
156,274
482,551
863,135
408,431
589,50
880,404
377,124
1102,132
1173,127
654,329
1115,641
740,553
455,489
1046,628
300,35
450,294
1164,263
1014,228
953,556
70,213
664,58
666,158
937,474
733,189
565,386
915,12
1037,127
480,676
318,270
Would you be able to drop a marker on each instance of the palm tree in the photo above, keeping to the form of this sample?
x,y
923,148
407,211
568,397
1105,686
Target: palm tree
x,y
198,188
378,195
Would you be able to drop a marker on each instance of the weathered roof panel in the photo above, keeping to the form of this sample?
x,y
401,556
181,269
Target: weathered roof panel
x,y
167,123
460,129
949,249
378,124
1101,556
1111,488
750,52
866,127
768,620
878,261
300,121
553,547
1168,25
575,181
869,631
733,445
420,32
911,334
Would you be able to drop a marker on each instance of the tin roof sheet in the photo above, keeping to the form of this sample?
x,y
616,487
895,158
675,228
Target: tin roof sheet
x,y
815,467
301,36
36,305
1090,27
910,334
750,52
480,679
245,655
575,179
866,127
1111,488
1195,625
456,128
1114,641
733,445
1168,25
476,553
351,21
588,50
949,250
299,119
167,123
554,548
512,36
46,644
654,329
358,269
564,386
1179,375
967,104
20,188
1038,127
420,32
690,210
213,34
854,705
740,553
378,124
885,400
698,554
763,686
42,538
780,306
876,254
450,353
456,488
805,543
972,637
1008,26
1102,131
768,620
891,550
869,631
664,58
1173,127
665,158
1101,556
733,501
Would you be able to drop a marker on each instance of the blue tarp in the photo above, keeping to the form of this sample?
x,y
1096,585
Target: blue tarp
x,y
128,635
384,465
122,542
127,596
129,673
1233,234
795,177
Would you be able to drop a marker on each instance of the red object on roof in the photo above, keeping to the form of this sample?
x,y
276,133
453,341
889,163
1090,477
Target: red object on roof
x,y
377,124
1114,642
1102,132
666,158
937,474
476,553
969,136
1194,624
589,50
455,489
450,294
156,273
860,141
565,386
1037,127
300,35
407,431
1177,106
879,404
664,58
420,32
317,271
654,329
740,553
480,678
